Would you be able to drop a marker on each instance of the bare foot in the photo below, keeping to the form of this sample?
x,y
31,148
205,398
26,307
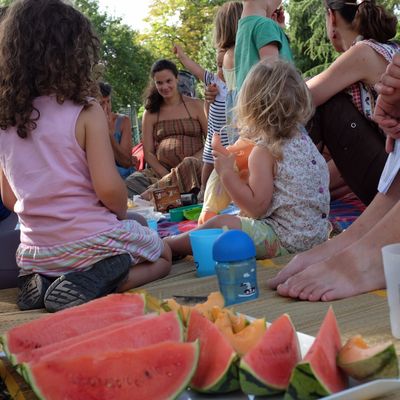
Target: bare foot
x,y
310,257
353,271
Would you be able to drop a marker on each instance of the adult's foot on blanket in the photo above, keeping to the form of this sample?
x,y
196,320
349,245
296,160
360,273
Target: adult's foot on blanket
x,y
353,271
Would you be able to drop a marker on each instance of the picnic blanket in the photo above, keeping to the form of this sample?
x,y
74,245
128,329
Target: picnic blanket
x,y
343,213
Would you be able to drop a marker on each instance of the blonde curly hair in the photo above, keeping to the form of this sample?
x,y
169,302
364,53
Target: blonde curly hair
x,y
273,101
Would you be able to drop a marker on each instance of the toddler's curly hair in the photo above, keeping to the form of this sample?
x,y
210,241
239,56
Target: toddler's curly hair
x,y
273,101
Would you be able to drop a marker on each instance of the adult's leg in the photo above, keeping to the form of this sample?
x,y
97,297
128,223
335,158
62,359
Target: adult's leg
x,y
351,263
355,143
374,213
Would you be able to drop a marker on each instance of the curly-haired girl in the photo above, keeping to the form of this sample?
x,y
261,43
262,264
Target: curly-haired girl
x,y
286,197
57,167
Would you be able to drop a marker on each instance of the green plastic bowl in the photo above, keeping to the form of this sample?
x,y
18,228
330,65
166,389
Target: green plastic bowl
x,y
192,214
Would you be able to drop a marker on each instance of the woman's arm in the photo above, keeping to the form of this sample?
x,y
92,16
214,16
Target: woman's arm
x,y
123,149
252,197
148,145
358,63
197,70
92,135
7,194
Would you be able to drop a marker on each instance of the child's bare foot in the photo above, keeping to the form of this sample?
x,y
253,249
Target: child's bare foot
x,y
353,271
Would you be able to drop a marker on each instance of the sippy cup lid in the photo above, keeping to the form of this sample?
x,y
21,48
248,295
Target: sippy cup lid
x,y
233,245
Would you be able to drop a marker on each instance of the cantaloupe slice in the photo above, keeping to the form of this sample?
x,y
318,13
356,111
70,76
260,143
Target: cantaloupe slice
x,y
365,363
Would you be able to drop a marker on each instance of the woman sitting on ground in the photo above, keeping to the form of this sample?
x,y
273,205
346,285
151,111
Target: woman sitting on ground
x,y
174,127
345,97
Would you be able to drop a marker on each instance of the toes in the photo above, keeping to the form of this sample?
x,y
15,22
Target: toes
x,y
294,266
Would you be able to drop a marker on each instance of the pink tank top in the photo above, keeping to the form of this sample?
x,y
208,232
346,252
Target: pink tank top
x,y
49,175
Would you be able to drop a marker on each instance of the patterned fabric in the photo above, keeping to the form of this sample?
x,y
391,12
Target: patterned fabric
x,y
264,237
364,96
176,139
216,116
140,242
299,209
179,148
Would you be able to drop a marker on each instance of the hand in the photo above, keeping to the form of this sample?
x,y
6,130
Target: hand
x,y
178,51
211,92
279,16
222,162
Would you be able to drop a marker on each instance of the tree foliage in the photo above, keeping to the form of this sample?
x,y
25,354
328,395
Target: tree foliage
x,y
311,47
126,61
188,23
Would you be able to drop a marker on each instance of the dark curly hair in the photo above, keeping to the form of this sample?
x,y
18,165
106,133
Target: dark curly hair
x,y
370,20
152,99
47,47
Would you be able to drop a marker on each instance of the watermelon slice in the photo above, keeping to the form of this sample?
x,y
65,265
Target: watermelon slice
x,y
158,372
133,333
267,367
318,375
71,322
217,369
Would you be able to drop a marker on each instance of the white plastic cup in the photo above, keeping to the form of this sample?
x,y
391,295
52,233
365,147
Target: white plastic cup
x,y
391,267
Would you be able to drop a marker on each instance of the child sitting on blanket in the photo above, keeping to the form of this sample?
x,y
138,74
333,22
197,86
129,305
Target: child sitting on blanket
x,y
284,202
57,169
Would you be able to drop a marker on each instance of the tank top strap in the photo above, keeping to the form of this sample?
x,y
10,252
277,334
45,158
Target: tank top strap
x,y
187,110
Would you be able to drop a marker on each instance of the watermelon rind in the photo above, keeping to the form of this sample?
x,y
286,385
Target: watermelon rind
x,y
383,365
304,384
228,382
251,383
104,360
4,344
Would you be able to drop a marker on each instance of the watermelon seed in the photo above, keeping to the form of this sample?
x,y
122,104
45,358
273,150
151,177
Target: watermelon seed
x,y
147,373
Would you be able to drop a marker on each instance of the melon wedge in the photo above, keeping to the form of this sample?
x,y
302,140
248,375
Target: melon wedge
x,y
158,372
318,375
365,363
71,322
217,368
267,367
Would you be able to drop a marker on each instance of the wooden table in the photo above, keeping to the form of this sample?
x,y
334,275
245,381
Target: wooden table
x,y
366,314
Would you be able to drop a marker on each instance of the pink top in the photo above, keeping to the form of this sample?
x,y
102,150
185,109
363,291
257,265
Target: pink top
x,y
49,175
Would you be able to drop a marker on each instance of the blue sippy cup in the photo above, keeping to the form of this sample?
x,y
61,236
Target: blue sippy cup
x,y
234,253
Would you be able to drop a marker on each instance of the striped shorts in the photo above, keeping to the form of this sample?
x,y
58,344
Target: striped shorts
x,y
140,242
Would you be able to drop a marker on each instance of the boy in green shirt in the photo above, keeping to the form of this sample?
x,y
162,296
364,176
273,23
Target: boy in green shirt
x,y
259,36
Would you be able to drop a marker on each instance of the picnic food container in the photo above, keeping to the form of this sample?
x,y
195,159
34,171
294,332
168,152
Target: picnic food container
x,y
234,253
188,212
